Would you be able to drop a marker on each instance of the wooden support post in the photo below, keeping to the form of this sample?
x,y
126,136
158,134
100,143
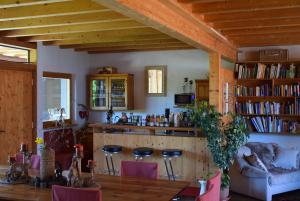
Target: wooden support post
x,y
215,84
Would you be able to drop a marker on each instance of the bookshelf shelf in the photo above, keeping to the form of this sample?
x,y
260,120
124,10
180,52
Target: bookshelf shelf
x,y
263,88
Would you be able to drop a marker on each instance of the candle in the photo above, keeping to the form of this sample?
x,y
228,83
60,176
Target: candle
x,y
91,163
23,147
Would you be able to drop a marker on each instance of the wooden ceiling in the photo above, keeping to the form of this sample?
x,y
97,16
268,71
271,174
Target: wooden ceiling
x,y
250,22
80,24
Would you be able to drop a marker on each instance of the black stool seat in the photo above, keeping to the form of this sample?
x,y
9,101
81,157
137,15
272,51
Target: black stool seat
x,y
112,148
143,151
171,152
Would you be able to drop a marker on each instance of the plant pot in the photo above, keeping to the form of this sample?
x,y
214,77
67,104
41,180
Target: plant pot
x,y
202,186
47,164
224,194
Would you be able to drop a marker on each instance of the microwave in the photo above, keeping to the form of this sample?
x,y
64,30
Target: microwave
x,y
184,99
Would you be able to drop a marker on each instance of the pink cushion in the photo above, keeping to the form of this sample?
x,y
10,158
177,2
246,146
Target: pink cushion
x,y
62,193
139,169
216,182
35,161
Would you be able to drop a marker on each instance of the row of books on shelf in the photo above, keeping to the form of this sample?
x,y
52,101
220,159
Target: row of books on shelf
x,y
268,108
262,90
287,90
263,71
269,125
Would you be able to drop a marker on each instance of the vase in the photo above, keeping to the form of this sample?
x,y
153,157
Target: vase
x,y
47,164
224,194
202,186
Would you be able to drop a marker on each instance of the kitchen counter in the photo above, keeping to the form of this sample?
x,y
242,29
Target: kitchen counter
x,y
151,130
195,162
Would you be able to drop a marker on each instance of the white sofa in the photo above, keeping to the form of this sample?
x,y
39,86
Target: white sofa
x,y
254,182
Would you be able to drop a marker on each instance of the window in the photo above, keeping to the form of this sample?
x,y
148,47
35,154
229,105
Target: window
x,y
156,80
15,54
57,98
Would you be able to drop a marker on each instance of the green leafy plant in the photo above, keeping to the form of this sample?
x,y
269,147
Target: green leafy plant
x,y
224,140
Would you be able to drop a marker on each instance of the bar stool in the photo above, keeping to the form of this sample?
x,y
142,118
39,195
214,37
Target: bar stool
x,y
142,152
109,150
168,155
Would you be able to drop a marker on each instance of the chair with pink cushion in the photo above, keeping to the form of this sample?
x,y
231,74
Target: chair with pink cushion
x,y
139,169
194,191
35,161
62,193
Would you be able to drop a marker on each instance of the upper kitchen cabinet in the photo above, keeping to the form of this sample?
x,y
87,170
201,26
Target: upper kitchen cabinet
x,y
106,90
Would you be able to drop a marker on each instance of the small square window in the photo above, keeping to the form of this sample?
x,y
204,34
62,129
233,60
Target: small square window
x,y
156,80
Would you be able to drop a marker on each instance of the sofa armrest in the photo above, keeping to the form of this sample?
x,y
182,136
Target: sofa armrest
x,y
254,172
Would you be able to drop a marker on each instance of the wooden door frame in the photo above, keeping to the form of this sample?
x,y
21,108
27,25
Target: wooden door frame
x,y
25,67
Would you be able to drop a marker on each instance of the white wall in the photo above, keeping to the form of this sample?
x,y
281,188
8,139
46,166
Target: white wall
x,y
285,140
54,59
193,64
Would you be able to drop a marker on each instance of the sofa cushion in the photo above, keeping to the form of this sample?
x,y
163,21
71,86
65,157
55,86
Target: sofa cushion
x,y
243,151
287,158
256,162
265,151
280,176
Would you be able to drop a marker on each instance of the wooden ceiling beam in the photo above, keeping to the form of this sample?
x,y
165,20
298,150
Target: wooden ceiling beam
x,y
264,30
49,10
17,3
126,43
108,39
171,19
141,46
257,23
87,35
267,39
140,50
199,1
78,19
16,43
238,5
102,26
253,14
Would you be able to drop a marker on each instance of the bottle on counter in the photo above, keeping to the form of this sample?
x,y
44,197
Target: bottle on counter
x,y
171,119
157,120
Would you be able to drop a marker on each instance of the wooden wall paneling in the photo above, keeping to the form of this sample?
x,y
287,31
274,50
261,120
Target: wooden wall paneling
x,y
202,89
16,113
215,97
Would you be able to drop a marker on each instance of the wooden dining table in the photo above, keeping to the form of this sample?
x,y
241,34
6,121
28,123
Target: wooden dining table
x,y
114,188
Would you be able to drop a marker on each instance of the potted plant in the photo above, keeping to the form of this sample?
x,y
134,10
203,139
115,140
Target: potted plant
x,y
224,139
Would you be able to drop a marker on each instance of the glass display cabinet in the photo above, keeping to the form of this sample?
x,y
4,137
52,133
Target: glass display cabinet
x,y
106,90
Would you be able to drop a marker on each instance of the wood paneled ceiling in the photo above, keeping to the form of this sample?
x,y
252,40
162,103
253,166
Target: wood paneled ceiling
x,y
250,22
80,24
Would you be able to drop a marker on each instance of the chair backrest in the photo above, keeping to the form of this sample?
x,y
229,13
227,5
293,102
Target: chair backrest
x,y
216,182
139,169
62,193
208,195
35,161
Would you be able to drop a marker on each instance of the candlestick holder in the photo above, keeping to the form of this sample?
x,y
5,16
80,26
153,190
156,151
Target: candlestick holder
x,y
17,173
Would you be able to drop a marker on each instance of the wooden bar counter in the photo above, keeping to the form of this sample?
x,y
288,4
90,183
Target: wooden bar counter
x,y
194,163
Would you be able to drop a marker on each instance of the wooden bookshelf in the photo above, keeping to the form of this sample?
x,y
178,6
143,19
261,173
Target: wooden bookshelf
x,y
282,88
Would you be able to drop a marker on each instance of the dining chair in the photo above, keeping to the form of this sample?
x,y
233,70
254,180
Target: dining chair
x,y
35,161
62,193
139,169
194,191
